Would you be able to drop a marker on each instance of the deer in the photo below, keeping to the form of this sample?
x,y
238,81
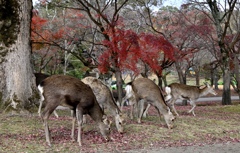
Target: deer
x,y
106,100
62,90
177,91
144,91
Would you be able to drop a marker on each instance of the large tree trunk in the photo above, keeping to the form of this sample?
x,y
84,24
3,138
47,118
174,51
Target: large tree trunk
x,y
236,75
17,84
221,27
226,97
197,77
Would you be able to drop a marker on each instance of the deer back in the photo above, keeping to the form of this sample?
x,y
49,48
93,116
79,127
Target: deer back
x,y
147,89
72,93
183,91
102,93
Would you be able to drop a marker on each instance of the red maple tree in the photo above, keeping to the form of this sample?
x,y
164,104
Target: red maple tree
x,y
125,49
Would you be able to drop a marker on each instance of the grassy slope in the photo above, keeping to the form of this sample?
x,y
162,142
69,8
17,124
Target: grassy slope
x,y
213,124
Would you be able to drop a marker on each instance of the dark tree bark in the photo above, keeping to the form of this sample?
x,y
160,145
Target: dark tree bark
x,y
219,20
17,85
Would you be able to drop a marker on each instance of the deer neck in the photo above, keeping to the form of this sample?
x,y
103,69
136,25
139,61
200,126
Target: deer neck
x,y
96,113
113,106
203,91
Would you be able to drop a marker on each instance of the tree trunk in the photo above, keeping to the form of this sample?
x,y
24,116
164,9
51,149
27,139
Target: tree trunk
x,y
180,73
226,97
182,78
17,84
118,75
221,27
237,75
197,76
216,77
164,78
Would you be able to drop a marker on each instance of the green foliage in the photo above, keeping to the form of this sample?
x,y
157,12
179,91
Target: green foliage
x,y
77,68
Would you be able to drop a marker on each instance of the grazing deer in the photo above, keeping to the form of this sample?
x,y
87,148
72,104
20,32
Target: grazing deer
x,y
106,100
192,93
71,92
145,91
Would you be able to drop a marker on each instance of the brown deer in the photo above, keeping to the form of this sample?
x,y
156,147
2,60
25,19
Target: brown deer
x,y
181,91
106,101
72,93
145,91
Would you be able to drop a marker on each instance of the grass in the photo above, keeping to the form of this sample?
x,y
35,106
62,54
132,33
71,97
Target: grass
x,y
213,124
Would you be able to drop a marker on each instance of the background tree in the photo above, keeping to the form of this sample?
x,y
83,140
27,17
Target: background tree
x,y
17,86
186,29
58,35
221,15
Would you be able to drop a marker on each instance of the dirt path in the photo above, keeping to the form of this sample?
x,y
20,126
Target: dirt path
x,y
215,148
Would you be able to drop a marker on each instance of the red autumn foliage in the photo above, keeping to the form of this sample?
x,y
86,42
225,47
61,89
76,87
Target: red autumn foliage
x,y
39,32
125,48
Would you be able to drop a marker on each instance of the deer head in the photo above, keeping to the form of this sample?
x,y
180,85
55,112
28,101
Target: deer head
x,y
119,121
209,89
169,119
104,127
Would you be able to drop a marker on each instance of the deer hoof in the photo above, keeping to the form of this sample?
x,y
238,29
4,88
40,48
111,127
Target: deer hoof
x,y
49,144
170,126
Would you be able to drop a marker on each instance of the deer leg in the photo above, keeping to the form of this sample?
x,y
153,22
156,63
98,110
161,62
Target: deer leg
x,y
132,110
80,120
132,103
172,107
193,104
146,111
45,115
175,111
55,113
140,109
40,107
84,119
46,129
73,113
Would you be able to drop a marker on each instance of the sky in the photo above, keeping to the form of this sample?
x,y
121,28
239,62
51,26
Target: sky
x,y
176,3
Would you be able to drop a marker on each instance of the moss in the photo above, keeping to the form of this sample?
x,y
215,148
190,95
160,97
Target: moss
x,y
10,22
3,53
7,104
1,100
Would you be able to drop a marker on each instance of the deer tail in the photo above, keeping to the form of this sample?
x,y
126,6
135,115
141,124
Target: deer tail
x,y
168,92
129,91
